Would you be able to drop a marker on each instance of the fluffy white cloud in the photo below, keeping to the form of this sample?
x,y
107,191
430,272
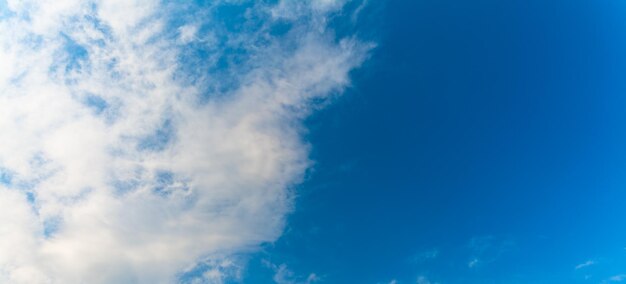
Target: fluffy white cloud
x,y
140,139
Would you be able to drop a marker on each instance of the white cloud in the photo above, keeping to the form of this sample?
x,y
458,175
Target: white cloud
x,y
585,264
188,33
125,166
283,275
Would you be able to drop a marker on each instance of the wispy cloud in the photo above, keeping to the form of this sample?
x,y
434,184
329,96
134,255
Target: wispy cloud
x,y
585,264
142,141
487,249
618,278
425,256
473,262
283,275
424,280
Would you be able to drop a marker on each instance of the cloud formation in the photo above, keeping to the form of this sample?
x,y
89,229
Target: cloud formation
x,y
283,275
585,264
142,141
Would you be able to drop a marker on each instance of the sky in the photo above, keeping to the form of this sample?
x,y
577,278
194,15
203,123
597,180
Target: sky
x,y
314,141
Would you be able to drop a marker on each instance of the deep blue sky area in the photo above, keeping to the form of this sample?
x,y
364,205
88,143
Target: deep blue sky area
x,y
483,142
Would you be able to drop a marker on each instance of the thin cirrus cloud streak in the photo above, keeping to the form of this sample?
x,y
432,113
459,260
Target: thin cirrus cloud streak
x,y
145,142
585,264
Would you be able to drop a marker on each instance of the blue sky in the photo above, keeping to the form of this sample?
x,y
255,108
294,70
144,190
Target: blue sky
x,y
320,141
483,142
